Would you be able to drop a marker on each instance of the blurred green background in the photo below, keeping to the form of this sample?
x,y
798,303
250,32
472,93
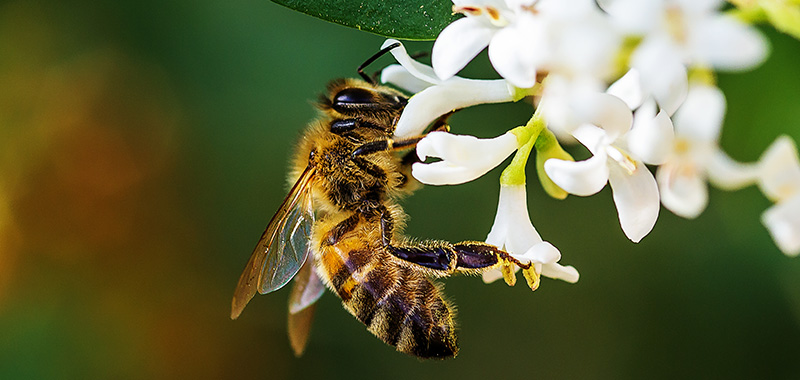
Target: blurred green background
x,y
143,147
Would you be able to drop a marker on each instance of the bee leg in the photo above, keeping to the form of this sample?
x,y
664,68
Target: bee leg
x,y
465,257
476,257
399,144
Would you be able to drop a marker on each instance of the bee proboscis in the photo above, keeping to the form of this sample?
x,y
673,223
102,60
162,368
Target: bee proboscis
x,y
339,227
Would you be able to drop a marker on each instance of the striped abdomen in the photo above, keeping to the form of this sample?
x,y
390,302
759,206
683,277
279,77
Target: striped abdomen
x,y
397,304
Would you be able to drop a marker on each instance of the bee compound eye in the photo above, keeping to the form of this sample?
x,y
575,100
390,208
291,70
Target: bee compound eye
x,y
353,97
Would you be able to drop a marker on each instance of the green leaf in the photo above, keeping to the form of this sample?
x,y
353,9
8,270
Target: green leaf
x,y
406,19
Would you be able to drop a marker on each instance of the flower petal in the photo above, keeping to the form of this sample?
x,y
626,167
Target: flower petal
x,y
636,198
542,253
727,174
400,77
651,138
517,50
492,275
419,70
629,89
780,170
512,229
662,73
783,222
558,272
458,43
683,192
726,43
464,158
700,116
466,150
454,93
633,16
605,111
582,178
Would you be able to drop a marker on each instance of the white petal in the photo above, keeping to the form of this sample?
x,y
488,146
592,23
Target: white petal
x,y
543,253
452,94
636,198
512,229
419,70
400,77
458,43
516,51
593,138
651,137
492,275
728,174
466,150
662,73
556,271
583,44
442,173
700,116
683,192
607,112
699,6
783,222
561,98
629,89
726,43
780,170
633,16
582,178
464,158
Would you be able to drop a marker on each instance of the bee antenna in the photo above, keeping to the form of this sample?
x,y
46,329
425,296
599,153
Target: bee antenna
x,y
372,59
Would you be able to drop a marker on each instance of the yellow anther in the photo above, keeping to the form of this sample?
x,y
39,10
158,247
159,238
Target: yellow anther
x,y
531,277
508,273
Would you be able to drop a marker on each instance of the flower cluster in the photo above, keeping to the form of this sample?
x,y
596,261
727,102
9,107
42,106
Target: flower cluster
x,y
631,80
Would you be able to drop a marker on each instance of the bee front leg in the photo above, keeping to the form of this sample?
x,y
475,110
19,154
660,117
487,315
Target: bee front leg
x,y
399,144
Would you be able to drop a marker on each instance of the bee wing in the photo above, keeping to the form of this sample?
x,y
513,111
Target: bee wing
x,y
282,249
307,289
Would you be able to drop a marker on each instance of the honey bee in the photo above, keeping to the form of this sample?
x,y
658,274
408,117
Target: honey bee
x,y
340,227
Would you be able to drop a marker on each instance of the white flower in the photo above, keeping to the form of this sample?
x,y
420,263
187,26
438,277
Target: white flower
x,y
779,174
695,155
463,158
681,33
566,102
513,232
437,97
695,32
634,189
780,181
783,222
523,36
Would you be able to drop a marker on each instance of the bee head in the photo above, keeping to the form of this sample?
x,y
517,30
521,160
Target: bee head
x,y
357,98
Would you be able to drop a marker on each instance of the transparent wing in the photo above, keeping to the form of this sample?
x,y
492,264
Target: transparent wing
x,y
307,289
282,249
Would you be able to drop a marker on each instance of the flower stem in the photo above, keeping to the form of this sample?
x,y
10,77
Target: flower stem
x,y
527,135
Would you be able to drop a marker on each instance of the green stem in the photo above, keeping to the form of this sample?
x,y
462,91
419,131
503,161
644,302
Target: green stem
x,y
527,135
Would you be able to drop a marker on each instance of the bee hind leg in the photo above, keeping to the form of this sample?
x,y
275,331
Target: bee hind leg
x,y
464,257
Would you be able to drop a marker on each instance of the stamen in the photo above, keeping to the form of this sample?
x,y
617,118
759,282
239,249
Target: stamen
x,y
495,17
531,277
676,25
530,7
467,10
623,159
